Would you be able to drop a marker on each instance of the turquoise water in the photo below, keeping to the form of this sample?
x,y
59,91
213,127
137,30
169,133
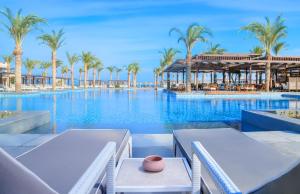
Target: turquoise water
x,y
141,111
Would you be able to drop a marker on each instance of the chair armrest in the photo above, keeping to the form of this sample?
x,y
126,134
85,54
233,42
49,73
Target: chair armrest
x,y
218,175
105,161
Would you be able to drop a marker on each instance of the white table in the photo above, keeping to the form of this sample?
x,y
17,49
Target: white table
x,y
176,177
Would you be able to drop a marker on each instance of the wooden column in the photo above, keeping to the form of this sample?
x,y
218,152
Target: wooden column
x,y
177,77
197,80
250,74
215,77
260,77
168,80
246,75
256,77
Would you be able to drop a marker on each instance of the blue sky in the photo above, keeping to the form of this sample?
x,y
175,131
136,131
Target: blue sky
x,y
123,31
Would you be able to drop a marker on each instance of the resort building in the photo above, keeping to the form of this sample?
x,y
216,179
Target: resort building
x,y
238,72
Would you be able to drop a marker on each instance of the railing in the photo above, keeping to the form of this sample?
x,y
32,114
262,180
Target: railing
x,y
202,157
105,161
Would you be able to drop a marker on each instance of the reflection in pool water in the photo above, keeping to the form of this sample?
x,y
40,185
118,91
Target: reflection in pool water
x,y
141,111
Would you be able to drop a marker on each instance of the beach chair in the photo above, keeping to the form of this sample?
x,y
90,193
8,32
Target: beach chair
x,y
232,162
73,162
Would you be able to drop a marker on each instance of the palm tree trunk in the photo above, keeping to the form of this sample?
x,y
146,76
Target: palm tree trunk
x,y
44,80
72,76
85,75
8,67
62,80
188,72
30,77
128,79
53,70
79,79
94,77
155,81
99,78
18,69
162,79
268,73
110,75
134,80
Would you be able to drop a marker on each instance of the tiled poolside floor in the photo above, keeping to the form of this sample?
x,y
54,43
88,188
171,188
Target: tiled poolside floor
x,y
287,142
162,144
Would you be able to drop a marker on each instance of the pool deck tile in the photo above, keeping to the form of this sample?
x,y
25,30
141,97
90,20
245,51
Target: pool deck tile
x,y
286,142
161,144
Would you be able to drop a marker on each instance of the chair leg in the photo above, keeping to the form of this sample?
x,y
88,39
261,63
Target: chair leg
x,y
196,174
110,188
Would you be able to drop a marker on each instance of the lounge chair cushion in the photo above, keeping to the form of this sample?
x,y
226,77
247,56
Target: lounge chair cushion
x,y
61,161
250,164
16,178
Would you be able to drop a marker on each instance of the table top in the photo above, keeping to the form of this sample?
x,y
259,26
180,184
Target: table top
x,y
132,178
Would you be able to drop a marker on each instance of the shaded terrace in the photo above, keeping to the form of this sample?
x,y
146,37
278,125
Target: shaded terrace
x,y
232,67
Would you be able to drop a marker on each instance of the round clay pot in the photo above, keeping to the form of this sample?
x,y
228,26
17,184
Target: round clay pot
x,y
153,163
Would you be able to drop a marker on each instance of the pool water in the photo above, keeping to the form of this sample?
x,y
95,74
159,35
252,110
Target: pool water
x,y
141,111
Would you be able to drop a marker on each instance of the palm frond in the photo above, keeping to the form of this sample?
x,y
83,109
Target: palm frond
x,y
269,33
54,40
72,59
278,47
19,26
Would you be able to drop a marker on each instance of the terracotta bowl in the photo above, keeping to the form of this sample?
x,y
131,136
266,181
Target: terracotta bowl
x,y
153,163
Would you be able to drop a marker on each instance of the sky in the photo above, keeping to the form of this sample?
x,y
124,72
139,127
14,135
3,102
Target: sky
x,y
120,32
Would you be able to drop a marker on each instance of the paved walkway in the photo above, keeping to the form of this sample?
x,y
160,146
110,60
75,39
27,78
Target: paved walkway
x,y
162,144
287,142
16,144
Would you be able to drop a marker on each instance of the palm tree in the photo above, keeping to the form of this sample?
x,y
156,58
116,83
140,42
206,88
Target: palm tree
x,y
59,63
99,69
30,65
156,72
8,59
64,71
118,70
194,34
278,47
73,59
257,50
269,34
129,70
80,72
135,70
54,41
215,49
87,59
111,69
162,67
45,66
96,65
18,27
168,56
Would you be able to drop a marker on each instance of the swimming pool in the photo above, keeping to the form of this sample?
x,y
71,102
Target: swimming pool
x,y
141,111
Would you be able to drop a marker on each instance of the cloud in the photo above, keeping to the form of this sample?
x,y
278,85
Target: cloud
x,y
122,31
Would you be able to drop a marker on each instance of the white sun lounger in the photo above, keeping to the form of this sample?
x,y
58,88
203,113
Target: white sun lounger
x,y
73,162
